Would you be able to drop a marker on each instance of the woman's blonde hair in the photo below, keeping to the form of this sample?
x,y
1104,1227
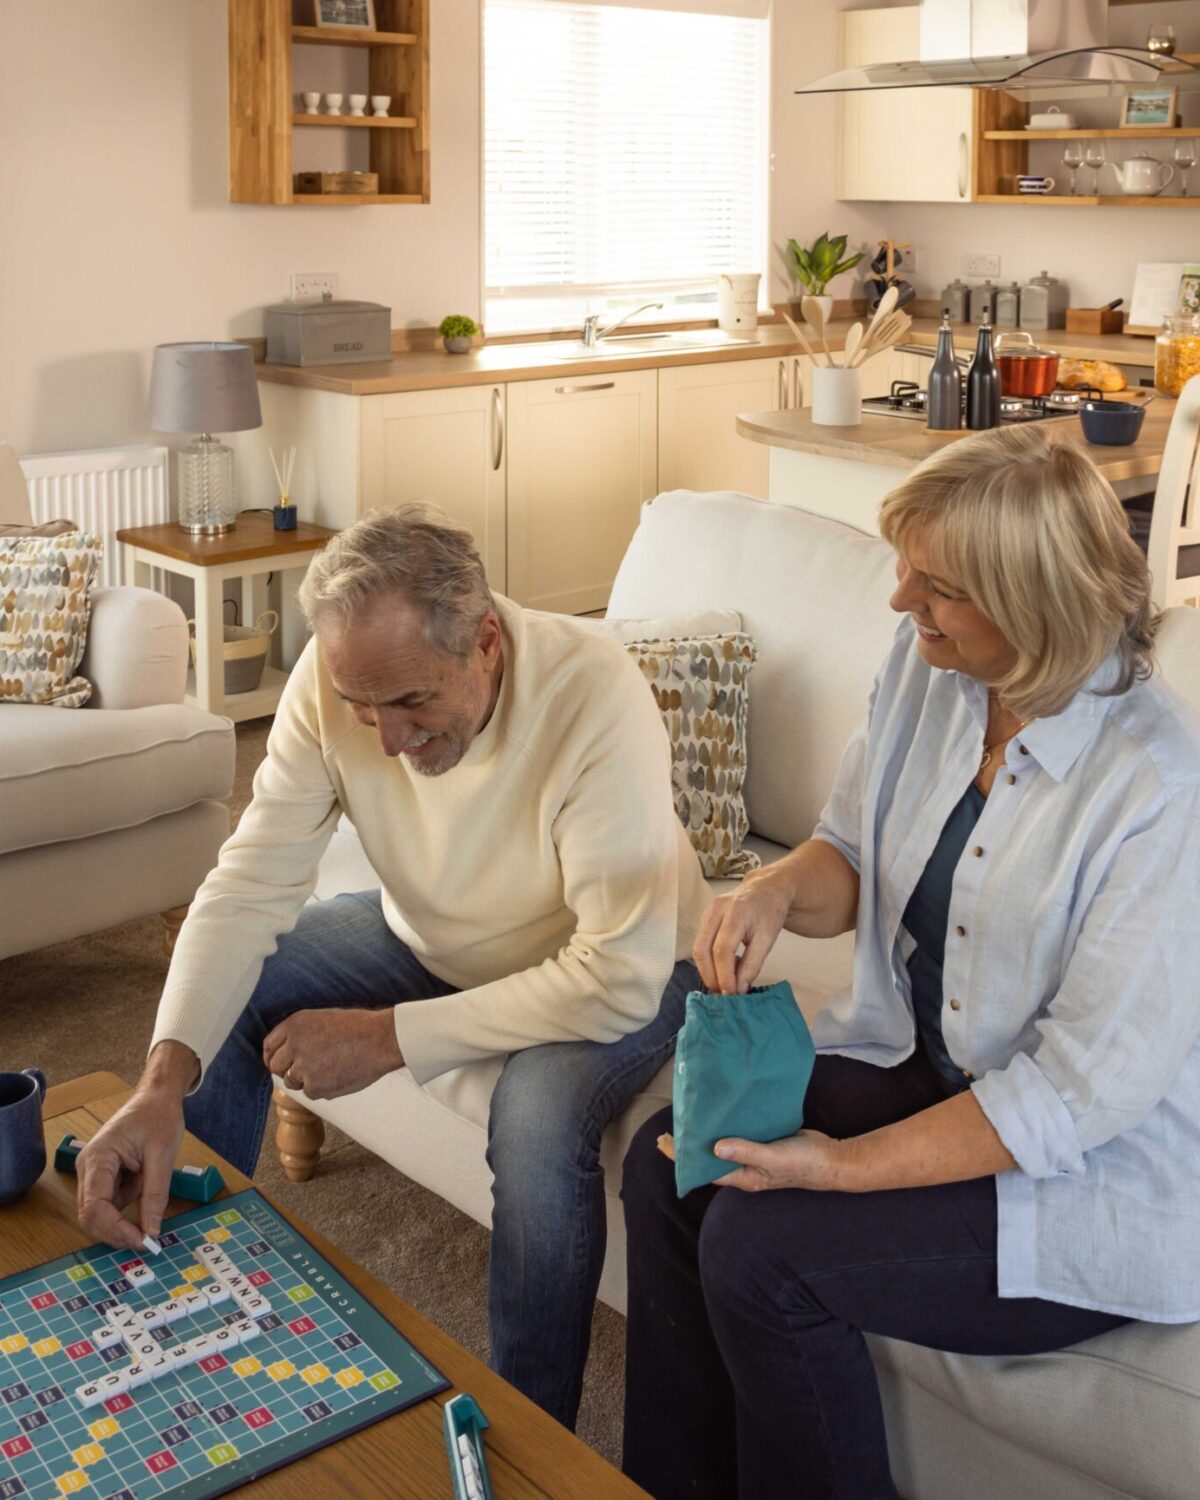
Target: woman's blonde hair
x,y
1034,535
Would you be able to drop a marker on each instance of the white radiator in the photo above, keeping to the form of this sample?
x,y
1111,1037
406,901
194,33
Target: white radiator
x,y
101,490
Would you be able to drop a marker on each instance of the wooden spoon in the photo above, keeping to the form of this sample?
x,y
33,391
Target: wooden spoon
x,y
853,339
814,316
886,303
795,327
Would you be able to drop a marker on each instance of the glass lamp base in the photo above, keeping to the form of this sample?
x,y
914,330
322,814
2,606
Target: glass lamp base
x,y
208,504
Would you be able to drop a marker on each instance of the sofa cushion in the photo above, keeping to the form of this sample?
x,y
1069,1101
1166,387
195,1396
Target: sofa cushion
x,y
813,595
45,601
68,776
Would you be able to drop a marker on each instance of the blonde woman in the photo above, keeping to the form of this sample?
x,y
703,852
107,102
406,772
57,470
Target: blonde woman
x,y
1002,1142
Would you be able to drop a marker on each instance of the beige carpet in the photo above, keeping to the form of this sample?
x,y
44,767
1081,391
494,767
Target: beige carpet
x,y
89,1005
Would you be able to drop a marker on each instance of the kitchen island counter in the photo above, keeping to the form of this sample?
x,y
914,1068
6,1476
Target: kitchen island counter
x,y
844,472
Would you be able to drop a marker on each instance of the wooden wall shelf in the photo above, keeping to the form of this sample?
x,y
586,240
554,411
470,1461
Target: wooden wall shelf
x,y
319,36
1081,201
1117,133
357,122
262,103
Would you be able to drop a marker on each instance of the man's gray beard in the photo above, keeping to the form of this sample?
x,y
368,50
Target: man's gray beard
x,y
450,756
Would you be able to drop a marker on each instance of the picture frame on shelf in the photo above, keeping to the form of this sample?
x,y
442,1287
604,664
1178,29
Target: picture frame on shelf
x,y
1189,290
1146,107
344,15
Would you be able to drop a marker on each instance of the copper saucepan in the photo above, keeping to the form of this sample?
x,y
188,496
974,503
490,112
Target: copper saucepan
x,y
1025,370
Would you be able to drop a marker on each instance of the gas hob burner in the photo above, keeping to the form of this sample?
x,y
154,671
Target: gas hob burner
x,y
907,399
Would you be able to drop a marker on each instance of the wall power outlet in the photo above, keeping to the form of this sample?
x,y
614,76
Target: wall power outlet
x,y
980,263
311,286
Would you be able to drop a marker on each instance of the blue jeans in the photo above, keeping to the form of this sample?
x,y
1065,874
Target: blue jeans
x,y
747,1373
548,1113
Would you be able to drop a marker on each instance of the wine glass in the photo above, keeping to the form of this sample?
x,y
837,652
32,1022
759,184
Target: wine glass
x,y
1161,39
1095,156
1185,160
1073,158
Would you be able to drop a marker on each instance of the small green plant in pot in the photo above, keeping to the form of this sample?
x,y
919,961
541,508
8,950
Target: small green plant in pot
x,y
457,331
816,266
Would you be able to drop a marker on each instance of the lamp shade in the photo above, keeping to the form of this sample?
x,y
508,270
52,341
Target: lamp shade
x,y
204,388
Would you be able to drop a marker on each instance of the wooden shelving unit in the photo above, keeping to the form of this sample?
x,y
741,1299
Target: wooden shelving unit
x,y
262,106
1002,152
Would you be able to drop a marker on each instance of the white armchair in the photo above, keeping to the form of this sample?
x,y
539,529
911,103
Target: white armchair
x,y
115,810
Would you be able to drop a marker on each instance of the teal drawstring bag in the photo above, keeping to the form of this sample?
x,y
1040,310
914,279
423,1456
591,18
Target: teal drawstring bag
x,y
742,1065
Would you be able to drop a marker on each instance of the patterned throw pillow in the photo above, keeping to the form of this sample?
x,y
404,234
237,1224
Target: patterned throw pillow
x,y
45,600
700,686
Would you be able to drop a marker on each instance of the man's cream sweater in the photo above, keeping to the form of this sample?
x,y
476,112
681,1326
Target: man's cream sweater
x,y
546,876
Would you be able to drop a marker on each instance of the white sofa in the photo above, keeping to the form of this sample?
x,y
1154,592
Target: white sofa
x,y
118,809
1119,1416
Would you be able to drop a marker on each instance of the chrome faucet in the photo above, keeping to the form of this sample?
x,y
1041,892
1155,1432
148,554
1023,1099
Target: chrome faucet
x,y
592,335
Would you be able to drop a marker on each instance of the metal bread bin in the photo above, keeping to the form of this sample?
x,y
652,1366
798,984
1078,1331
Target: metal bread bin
x,y
328,333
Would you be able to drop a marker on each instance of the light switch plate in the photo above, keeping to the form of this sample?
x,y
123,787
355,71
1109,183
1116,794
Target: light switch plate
x,y
311,286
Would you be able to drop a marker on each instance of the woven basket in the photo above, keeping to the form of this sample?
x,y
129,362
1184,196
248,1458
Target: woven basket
x,y
245,651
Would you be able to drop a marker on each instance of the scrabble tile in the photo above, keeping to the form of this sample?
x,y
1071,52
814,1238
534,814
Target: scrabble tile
x,y
105,1336
140,1276
214,1292
173,1309
137,1374
89,1394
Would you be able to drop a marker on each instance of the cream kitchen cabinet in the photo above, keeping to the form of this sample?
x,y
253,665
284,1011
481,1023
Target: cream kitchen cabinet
x,y
446,446
582,456
899,145
698,405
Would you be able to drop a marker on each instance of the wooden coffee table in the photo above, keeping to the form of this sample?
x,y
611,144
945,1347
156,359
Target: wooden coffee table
x,y
529,1454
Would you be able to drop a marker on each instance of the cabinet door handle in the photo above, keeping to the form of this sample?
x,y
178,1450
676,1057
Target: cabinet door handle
x,y
963,164
497,429
781,401
797,383
570,390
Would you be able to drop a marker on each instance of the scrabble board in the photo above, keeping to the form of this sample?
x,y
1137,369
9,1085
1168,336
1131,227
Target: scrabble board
x,y
279,1355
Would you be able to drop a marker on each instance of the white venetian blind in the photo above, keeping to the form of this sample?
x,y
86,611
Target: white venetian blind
x,y
625,156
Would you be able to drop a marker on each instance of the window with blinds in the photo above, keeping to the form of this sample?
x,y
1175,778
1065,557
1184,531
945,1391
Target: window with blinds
x,y
625,158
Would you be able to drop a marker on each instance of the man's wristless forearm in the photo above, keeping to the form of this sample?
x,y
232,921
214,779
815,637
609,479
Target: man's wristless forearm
x,y
172,1066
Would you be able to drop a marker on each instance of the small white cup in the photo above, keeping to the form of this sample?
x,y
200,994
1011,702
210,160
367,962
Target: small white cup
x,y
333,104
836,396
312,103
358,104
380,104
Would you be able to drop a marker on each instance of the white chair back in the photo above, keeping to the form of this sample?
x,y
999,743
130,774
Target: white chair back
x,y
1175,523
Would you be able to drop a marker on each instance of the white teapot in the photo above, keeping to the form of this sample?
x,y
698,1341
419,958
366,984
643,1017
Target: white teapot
x,y
1140,175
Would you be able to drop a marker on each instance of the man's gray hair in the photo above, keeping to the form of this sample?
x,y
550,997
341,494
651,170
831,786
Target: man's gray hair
x,y
414,550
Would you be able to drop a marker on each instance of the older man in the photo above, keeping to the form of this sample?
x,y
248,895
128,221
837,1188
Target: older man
x,y
507,773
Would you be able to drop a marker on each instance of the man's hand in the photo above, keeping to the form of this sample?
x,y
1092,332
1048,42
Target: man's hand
x,y
328,1053
134,1153
808,1160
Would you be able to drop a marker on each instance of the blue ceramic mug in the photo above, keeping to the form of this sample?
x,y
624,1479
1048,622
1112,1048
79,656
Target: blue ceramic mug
x,y
22,1144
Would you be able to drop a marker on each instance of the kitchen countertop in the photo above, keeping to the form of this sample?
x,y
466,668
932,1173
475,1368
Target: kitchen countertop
x,y
900,443
493,364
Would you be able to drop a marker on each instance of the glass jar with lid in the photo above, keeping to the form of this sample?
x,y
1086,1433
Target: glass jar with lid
x,y
1177,353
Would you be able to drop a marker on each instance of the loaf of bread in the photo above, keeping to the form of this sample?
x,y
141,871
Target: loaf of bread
x,y
1074,374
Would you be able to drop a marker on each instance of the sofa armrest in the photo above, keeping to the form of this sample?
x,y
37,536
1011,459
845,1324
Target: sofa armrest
x,y
137,649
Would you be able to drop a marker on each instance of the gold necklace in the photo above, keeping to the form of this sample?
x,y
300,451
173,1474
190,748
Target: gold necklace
x,y
995,745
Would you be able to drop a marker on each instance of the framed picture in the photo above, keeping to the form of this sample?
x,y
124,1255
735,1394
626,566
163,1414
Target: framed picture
x,y
358,15
1148,106
1189,290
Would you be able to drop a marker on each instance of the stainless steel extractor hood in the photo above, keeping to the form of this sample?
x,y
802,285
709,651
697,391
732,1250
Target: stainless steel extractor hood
x,y
1035,49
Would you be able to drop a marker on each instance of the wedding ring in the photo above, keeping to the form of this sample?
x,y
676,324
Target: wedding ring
x,y
292,1083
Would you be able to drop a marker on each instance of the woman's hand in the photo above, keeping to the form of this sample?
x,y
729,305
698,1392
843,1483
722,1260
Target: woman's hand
x,y
749,919
808,1160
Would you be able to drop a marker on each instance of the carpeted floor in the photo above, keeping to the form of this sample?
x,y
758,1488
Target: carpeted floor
x,y
89,1005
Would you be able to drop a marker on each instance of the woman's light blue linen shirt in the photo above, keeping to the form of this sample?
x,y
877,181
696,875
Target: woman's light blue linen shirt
x,y
1072,951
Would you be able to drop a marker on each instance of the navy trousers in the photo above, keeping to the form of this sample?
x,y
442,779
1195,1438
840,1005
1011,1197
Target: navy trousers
x,y
747,1371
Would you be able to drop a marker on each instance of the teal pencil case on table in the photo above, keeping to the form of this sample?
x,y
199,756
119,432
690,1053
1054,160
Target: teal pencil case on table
x,y
742,1066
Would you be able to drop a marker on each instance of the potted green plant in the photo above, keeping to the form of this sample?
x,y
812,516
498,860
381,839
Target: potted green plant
x,y
457,331
816,266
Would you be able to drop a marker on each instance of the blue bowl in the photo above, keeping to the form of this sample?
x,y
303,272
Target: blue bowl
x,y
1111,424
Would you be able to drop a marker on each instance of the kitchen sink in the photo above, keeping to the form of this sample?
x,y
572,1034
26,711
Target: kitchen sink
x,y
680,341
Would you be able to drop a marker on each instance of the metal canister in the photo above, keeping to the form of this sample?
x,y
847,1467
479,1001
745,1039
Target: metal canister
x,y
1008,306
956,297
1044,302
983,302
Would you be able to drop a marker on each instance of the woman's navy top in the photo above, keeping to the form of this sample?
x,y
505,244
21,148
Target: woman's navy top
x,y
926,917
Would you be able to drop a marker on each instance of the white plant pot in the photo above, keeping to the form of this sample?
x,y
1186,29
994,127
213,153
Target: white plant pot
x,y
836,396
826,306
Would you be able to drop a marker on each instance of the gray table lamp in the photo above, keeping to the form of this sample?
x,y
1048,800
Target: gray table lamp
x,y
205,388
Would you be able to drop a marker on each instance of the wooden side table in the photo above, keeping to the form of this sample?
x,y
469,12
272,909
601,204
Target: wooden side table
x,y
249,552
